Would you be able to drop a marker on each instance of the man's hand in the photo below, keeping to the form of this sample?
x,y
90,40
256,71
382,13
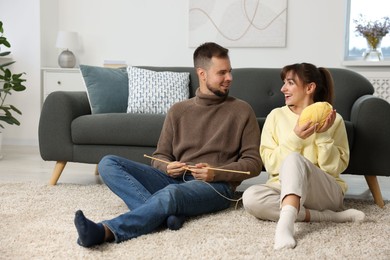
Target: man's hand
x,y
201,172
176,169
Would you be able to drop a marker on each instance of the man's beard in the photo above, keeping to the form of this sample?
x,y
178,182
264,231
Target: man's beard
x,y
217,92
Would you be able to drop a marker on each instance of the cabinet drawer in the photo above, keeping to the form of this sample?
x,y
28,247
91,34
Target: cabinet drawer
x,y
55,81
61,80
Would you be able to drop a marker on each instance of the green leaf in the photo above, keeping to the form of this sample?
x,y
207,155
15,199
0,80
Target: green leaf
x,y
16,76
18,87
7,64
4,42
9,120
7,87
15,109
7,74
6,111
5,53
15,121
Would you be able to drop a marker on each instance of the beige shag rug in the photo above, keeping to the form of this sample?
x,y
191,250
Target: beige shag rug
x,y
36,222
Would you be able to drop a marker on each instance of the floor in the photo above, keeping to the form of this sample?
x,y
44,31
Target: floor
x,y
23,163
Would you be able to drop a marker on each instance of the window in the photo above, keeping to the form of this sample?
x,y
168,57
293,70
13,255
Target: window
x,y
372,10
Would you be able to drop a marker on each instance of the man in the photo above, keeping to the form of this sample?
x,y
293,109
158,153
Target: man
x,y
206,144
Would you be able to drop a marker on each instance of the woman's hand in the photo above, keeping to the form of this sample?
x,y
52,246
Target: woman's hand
x,y
304,131
176,169
201,172
328,122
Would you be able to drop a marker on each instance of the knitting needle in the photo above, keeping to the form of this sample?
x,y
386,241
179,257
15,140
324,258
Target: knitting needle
x,y
191,166
156,159
219,169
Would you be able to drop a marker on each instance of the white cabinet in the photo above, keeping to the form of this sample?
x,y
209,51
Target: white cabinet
x,y
59,79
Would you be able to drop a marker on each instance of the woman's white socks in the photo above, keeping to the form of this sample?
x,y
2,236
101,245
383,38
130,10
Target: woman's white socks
x,y
284,234
349,215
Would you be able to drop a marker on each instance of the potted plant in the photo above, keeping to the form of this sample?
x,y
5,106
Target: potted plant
x,y
9,82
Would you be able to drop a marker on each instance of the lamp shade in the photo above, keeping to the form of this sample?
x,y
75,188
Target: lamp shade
x,y
67,40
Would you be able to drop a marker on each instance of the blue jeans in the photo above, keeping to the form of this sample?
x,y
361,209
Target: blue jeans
x,y
152,196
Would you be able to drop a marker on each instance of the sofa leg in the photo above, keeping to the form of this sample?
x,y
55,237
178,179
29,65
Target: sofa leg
x,y
58,168
96,170
372,182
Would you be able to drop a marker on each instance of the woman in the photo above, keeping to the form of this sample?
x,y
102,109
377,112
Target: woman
x,y
304,162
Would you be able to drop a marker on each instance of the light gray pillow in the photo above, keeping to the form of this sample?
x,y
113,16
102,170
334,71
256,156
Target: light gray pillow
x,y
107,88
155,92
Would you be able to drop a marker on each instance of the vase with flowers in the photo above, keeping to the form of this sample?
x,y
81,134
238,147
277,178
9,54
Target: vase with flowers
x,y
373,32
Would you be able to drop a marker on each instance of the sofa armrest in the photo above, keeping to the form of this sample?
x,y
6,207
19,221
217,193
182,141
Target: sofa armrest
x,y
54,132
371,121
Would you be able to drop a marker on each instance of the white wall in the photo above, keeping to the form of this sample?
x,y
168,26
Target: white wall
x,y
153,32
147,32
21,27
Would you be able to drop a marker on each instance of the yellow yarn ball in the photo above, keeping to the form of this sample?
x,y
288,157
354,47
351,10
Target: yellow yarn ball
x,y
316,113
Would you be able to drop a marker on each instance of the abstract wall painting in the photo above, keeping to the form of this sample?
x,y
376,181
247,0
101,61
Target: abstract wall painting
x,y
238,23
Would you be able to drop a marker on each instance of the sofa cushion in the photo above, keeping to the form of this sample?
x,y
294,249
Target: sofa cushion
x,y
194,81
120,129
154,92
107,88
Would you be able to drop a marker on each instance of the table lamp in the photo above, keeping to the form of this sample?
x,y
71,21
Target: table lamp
x,y
67,40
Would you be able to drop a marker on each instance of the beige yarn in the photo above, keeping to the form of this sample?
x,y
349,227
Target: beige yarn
x,y
316,113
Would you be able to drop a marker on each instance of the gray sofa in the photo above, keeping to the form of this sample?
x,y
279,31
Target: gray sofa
x,y
68,132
